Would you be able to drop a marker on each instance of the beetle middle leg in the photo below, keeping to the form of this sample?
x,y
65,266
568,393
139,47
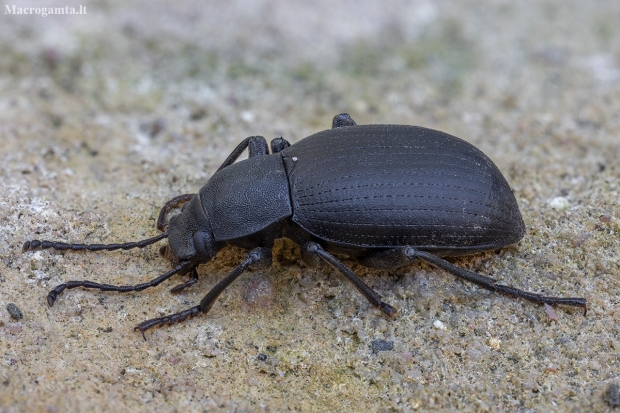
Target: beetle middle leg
x,y
256,146
371,295
279,144
258,258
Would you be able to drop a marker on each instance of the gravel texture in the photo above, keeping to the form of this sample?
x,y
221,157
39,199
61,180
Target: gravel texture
x,y
106,116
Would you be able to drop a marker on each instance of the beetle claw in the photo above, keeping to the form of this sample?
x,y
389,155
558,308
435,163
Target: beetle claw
x,y
388,309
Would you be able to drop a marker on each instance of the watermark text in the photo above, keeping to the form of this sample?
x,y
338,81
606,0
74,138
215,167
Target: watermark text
x,y
44,11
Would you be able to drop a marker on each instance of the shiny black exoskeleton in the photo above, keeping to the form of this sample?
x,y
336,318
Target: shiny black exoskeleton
x,y
383,194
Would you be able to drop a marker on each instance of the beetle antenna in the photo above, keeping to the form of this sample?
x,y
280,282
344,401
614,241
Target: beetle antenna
x,y
60,246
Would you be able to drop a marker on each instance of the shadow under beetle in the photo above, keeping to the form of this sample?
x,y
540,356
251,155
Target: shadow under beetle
x,y
385,195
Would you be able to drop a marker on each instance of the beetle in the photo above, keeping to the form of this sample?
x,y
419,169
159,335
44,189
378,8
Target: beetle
x,y
385,195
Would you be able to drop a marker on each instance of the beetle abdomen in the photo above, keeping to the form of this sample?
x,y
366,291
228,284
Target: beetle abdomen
x,y
393,185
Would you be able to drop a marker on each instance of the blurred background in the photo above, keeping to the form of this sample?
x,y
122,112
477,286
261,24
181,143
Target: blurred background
x,y
106,115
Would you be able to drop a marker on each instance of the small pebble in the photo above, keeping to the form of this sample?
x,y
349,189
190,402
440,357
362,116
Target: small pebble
x,y
612,396
381,345
495,343
438,324
259,291
559,203
15,312
551,313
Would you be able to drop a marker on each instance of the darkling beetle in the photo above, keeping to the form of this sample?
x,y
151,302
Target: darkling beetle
x,y
385,195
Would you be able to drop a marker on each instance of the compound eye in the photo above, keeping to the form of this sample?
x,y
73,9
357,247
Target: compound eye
x,y
204,245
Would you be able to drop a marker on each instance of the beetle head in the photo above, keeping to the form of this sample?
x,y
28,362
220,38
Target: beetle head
x,y
189,235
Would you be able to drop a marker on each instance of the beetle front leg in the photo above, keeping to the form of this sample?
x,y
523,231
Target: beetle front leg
x,y
371,295
175,202
193,280
258,258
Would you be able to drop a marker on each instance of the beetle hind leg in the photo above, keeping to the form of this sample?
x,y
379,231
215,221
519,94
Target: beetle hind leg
x,y
489,283
342,120
314,249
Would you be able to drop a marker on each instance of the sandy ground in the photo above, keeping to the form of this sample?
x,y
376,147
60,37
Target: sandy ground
x,y
105,116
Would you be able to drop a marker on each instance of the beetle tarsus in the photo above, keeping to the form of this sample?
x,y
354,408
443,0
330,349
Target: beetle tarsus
x,y
388,309
190,282
539,298
168,319
53,295
26,246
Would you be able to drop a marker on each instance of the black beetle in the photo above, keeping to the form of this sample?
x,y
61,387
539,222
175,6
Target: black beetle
x,y
385,195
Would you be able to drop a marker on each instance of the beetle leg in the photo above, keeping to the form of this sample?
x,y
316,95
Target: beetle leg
x,y
490,284
53,295
371,295
258,257
342,120
190,282
256,145
279,144
175,202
